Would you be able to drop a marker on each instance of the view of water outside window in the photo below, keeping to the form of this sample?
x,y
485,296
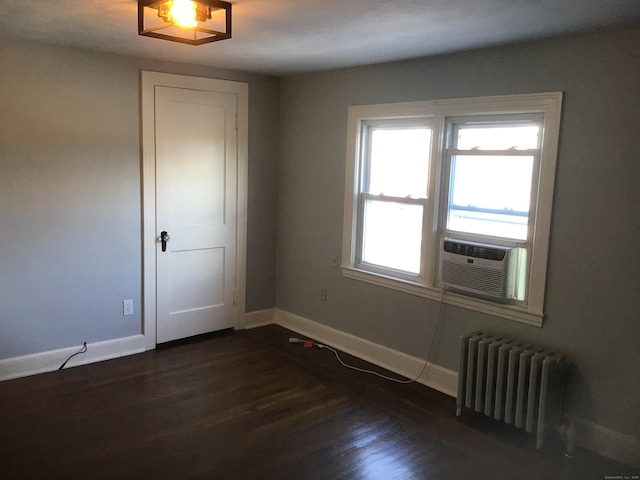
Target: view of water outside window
x,y
490,194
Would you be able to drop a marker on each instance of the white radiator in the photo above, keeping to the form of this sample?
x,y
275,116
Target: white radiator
x,y
508,380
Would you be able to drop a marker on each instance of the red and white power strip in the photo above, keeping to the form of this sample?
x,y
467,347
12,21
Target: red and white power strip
x,y
306,343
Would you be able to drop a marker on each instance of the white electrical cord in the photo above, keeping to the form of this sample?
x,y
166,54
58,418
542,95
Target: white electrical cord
x,y
363,370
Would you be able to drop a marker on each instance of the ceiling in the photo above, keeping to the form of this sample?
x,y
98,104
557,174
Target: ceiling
x,y
280,37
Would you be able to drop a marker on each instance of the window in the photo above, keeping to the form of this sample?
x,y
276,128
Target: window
x,y
393,195
491,167
490,192
477,170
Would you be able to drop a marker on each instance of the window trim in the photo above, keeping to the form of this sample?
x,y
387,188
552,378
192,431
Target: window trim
x,y
548,104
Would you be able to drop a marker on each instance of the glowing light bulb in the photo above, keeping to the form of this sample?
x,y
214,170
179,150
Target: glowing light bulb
x,y
183,13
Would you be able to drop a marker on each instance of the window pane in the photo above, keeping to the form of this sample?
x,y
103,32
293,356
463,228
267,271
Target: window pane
x,y
498,138
392,235
490,195
399,162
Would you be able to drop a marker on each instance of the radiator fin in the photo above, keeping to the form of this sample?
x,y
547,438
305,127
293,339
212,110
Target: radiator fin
x,y
511,381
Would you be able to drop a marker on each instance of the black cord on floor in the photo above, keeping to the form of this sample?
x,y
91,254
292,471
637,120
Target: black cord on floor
x,y
82,350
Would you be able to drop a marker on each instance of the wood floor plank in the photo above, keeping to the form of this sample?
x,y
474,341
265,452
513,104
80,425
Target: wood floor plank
x,y
249,405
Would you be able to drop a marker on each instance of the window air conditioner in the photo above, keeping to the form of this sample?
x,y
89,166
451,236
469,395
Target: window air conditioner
x,y
476,268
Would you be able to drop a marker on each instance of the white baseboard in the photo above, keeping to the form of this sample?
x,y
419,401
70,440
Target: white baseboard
x,y
434,376
259,318
607,442
50,361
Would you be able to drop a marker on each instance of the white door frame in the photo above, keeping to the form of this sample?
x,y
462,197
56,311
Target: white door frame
x,y
149,241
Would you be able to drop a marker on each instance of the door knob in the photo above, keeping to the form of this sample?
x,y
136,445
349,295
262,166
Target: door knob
x,y
164,238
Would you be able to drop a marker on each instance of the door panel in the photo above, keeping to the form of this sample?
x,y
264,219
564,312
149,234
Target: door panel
x,y
208,266
196,168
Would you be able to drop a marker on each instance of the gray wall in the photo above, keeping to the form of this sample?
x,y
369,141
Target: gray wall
x,y
592,301
70,194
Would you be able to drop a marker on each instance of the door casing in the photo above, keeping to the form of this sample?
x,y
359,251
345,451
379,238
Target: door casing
x,y
149,80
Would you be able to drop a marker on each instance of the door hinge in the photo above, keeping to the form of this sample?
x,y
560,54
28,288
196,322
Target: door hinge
x,y
237,129
235,299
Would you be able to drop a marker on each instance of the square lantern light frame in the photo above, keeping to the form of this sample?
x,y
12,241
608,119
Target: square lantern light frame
x,y
198,35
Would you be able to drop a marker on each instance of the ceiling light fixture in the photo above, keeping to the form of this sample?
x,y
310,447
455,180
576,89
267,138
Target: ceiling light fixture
x,y
183,21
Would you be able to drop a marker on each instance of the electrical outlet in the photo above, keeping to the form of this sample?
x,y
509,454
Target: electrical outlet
x,y
335,262
127,307
323,294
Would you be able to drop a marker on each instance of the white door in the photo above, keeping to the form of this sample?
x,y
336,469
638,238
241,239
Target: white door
x,y
196,188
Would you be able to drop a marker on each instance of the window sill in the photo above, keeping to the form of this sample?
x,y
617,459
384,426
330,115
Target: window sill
x,y
510,312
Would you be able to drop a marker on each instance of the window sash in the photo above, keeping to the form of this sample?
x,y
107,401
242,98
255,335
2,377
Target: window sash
x,y
364,197
495,120
364,194
369,126
447,194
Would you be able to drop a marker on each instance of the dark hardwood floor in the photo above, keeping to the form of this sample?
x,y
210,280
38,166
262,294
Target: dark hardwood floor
x,y
249,405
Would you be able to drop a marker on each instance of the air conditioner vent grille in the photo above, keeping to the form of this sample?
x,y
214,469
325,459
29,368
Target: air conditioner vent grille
x,y
476,251
485,280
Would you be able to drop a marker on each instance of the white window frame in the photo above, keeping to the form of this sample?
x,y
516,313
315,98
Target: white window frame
x,y
547,104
